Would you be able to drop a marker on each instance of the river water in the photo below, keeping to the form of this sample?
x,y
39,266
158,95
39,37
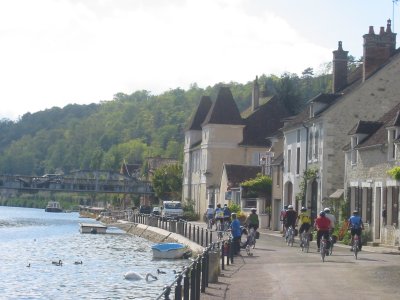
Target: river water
x,y
31,239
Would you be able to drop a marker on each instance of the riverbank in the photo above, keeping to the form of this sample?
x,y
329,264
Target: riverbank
x,y
157,235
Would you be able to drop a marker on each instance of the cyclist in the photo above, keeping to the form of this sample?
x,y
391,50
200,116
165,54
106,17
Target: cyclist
x,y
356,225
210,216
331,217
219,216
322,225
227,215
282,218
252,220
305,222
290,219
236,234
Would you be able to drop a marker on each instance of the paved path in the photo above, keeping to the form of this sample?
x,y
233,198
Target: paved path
x,y
277,271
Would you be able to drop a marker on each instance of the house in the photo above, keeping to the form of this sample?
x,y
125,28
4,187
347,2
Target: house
x,y
372,151
219,134
314,139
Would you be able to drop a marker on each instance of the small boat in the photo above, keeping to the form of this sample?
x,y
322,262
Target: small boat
x,y
93,228
53,206
169,250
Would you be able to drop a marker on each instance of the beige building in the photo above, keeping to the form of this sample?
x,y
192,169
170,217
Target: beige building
x,y
373,149
314,139
219,134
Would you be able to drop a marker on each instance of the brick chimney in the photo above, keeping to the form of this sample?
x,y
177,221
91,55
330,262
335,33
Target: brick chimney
x,y
339,68
378,48
255,97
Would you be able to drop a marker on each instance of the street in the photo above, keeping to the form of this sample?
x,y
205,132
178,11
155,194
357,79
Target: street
x,y
277,271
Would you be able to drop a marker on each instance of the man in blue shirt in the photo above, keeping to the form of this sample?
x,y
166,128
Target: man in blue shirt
x,y
236,234
356,225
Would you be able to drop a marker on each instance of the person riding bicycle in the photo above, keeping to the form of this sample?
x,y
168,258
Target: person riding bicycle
x,y
322,225
282,218
331,217
210,215
304,219
290,219
356,225
227,214
252,220
219,216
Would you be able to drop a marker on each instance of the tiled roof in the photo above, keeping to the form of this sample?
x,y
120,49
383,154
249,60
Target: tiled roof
x,y
379,137
224,110
365,127
200,114
236,174
264,122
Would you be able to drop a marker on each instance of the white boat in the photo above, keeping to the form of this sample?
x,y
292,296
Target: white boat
x,y
53,206
169,250
92,228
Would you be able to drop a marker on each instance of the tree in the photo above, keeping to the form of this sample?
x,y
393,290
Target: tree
x,y
167,182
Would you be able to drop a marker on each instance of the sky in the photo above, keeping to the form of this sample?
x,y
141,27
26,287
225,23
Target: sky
x,y
60,52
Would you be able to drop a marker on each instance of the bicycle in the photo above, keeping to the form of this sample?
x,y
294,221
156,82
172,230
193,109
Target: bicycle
x,y
251,241
220,230
323,248
356,241
210,223
305,241
290,236
331,242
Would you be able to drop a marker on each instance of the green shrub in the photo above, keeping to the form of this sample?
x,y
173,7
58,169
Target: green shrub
x,y
190,216
394,173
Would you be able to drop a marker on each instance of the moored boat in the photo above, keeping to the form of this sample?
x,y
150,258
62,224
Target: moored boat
x,y
53,206
169,250
92,228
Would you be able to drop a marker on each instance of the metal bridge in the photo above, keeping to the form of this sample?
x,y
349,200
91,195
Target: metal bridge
x,y
77,182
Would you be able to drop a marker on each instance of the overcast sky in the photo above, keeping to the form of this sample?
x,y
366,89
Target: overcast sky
x,y
59,52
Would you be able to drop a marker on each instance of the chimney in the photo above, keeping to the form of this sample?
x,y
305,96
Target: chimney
x,y
255,97
339,69
378,48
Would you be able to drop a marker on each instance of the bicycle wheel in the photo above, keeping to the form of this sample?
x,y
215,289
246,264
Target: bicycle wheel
x,y
355,249
306,244
323,251
331,247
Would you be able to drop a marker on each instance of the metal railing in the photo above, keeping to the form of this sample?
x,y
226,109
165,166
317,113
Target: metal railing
x,y
194,278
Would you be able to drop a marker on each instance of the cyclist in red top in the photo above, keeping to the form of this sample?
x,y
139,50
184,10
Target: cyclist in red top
x,y
322,224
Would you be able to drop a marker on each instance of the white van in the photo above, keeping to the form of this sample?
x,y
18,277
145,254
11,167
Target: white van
x,y
171,210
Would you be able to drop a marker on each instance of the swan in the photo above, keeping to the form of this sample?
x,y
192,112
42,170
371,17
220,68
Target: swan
x,y
57,263
131,275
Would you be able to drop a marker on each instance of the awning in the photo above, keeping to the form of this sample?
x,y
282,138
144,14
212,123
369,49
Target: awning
x,y
337,194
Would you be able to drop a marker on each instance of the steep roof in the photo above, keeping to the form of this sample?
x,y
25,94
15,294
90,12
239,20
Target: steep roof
x,y
236,174
365,127
201,112
224,110
379,136
264,122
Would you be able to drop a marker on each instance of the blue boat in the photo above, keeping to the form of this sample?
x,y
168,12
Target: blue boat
x,y
169,250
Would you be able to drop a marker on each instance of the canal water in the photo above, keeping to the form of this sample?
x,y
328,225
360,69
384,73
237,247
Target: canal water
x,y
31,239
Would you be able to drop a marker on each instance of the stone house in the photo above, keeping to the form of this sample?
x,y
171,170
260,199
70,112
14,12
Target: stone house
x,y
372,151
314,139
219,134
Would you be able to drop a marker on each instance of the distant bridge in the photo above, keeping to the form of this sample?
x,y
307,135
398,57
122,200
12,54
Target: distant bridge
x,y
78,182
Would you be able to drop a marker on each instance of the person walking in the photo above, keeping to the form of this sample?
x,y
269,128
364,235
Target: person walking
x,y
236,234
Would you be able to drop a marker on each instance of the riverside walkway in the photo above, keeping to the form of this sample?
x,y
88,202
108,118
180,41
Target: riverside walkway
x,y
277,271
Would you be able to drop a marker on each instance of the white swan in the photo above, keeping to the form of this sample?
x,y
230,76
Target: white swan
x,y
131,275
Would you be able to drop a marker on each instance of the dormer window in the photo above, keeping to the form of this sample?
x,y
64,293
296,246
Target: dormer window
x,y
354,143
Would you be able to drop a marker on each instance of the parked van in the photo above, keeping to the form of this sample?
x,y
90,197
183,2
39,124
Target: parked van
x,y
172,210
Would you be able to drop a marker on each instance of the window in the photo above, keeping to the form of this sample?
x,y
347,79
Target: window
x,y
354,143
289,158
391,145
395,205
298,161
310,147
316,144
278,175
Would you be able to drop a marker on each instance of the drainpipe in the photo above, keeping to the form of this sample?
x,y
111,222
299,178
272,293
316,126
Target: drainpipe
x,y
306,165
